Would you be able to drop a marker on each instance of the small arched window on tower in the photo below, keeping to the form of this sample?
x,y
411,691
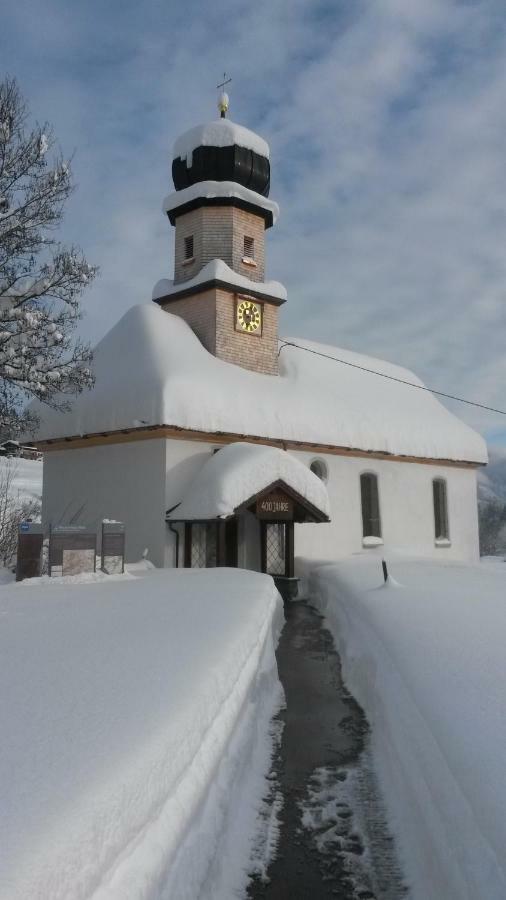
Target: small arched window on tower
x,y
371,521
441,530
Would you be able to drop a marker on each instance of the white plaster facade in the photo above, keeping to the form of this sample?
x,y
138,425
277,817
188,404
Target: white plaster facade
x,y
406,509
137,482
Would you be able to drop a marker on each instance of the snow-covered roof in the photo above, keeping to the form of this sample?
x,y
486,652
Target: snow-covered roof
x,y
219,133
152,369
237,473
218,270
212,189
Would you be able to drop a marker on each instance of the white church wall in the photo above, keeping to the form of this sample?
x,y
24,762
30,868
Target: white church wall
x,y
183,459
406,510
136,482
118,481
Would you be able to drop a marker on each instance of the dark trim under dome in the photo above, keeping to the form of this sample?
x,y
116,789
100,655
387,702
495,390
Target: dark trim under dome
x,y
239,164
238,202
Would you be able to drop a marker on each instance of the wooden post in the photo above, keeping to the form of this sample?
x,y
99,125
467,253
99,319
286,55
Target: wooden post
x,y
289,550
221,543
263,546
188,545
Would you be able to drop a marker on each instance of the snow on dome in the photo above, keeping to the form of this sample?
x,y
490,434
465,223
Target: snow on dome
x,y
151,368
220,133
237,473
212,189
218,270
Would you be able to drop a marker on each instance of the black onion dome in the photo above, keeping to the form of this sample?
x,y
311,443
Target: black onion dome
x,y
222,151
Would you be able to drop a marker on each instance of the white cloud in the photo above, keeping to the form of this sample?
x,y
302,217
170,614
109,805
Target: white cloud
x,y
387,128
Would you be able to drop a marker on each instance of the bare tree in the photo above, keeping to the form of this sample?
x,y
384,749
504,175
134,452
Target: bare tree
x,y
13,510
40,280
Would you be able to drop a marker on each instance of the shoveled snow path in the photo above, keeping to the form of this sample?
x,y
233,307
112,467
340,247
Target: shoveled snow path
x,y
424,656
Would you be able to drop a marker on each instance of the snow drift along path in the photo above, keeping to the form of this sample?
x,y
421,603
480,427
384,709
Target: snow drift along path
x,y
135,716
424,656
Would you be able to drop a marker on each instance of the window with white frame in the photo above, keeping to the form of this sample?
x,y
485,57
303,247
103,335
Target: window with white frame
x,y
441,530
371,521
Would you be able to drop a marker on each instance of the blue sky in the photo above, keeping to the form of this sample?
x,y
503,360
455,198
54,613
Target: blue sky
x,y
387,127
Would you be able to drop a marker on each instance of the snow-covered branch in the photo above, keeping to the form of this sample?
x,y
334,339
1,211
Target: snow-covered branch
x,y
40,280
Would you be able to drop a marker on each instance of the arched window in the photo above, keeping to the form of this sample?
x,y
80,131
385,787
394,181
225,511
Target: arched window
x,y
371,522
319,468
441,532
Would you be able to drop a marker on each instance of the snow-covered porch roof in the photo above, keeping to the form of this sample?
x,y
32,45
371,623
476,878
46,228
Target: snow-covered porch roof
x,y
238,474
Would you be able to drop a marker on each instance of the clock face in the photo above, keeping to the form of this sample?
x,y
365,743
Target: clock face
x,y
249,316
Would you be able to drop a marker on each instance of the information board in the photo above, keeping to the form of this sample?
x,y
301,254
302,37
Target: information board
x,y
29,557
113,548
72,550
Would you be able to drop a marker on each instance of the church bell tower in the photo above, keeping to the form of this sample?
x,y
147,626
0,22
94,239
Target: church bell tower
x,y
220,210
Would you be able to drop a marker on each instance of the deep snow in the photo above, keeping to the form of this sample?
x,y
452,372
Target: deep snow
x,y
213,189
238,472
217,269
218,133
176,382
424,656
135,733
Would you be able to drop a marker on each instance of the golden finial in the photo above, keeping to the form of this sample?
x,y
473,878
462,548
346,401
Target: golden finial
x,y
223,101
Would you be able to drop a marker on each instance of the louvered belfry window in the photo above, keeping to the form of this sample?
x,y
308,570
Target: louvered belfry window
x,y
371,522
188,247
249,247
442,532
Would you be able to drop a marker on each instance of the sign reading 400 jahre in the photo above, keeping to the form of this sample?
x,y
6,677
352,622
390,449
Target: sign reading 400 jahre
x,y
275,506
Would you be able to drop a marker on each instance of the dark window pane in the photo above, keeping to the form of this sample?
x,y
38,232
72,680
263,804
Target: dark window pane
x,y
371,524
440,509
188,247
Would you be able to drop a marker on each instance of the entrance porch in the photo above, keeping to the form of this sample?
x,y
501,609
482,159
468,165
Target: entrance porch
x,y
222,522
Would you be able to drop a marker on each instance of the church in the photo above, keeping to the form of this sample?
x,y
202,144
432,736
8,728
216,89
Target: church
x,y
218,443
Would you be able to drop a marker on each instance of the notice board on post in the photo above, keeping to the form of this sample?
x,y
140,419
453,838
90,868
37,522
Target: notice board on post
x,y
72,550
113,548
29,557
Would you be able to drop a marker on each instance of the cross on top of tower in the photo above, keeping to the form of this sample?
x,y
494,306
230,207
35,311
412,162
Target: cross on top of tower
x,y
223,101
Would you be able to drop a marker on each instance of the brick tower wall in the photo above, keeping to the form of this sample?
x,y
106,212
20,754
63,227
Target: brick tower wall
x,y
218,233
211,315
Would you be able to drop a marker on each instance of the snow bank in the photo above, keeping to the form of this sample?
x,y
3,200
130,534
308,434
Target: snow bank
x,y
176,382
238,472
217,269
135,715
212,189
424,656
219,133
